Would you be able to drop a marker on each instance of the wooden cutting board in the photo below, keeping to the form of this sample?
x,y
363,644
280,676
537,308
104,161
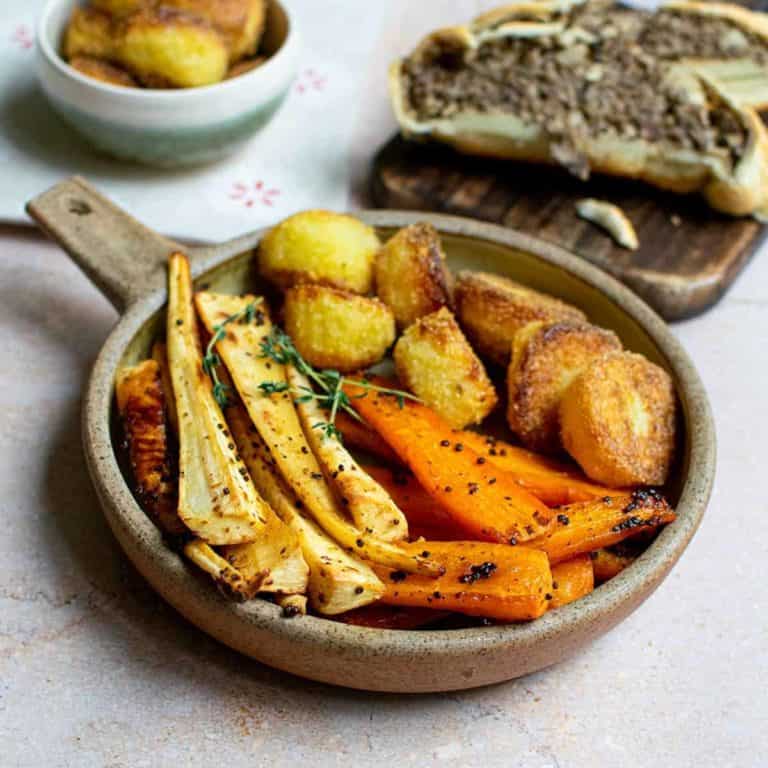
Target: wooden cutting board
x,y
688,256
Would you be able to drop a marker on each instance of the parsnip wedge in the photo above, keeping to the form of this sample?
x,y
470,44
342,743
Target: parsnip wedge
x,y
217,500
274,561
293,605
370,506
140,401
160,356
274,416
338,581
228,578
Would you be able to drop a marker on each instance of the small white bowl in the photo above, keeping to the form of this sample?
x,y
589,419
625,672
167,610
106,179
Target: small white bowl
x,y
168,127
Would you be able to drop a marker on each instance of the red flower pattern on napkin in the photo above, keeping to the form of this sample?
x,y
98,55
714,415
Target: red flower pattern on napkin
x,y
22,37
254,193
311,80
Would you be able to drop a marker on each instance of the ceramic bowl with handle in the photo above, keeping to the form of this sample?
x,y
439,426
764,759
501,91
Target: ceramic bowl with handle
x,y
175,127
128,263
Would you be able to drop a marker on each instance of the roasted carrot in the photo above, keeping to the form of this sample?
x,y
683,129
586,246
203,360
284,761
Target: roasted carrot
x,y
571,580
496,581
363,438
141,404
426,518
380,616
589,525
553,482
611,561
485,501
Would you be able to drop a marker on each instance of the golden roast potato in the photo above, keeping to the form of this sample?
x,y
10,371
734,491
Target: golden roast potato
x,y
411,275
546,358
320,247
170,48
617,420
103,71
492,308
434,360
337,329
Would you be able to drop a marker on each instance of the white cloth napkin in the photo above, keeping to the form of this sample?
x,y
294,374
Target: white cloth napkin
x,y
300,160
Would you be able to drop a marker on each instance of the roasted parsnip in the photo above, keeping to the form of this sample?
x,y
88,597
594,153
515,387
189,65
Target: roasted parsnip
x,y
226,576
338,582
274,416
371,507
217,500
274,562
160,356
140,401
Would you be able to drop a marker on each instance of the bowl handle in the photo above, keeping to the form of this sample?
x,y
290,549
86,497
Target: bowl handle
x,y
121,256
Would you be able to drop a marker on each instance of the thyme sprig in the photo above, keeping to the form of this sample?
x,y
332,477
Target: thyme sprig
x,y
331,397
211,359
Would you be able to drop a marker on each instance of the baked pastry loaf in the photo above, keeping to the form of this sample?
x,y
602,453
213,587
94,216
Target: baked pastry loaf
x,y
599,87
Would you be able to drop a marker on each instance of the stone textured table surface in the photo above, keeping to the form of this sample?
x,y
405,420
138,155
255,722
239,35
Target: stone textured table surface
x,y
97,671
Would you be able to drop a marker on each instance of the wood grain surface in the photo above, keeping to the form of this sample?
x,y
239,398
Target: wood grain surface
x,y
688,256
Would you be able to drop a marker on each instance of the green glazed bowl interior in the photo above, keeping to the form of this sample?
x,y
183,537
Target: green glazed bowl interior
x,y
391,660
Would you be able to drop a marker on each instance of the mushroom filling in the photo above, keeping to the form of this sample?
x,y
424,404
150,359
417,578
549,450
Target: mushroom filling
x,y
610,74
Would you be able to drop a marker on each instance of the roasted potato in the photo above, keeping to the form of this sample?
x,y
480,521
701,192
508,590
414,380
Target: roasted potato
x,y
492,308
244,67
320,247
239,22
103,71
618,420
435,361
165,47
89,33
119,8
338,329
411,275
546,358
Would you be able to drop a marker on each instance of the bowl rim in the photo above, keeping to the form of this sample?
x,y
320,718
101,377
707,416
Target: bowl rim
x,y
161,95
131,524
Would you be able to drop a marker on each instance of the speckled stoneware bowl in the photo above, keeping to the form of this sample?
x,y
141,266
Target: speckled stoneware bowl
x,y
168,128
128,263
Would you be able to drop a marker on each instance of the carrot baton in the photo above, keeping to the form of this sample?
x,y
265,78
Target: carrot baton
x,y
379,616
611,561
589,525
141,403
495,581
485,501
363,438
571,580
425,516
553,482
